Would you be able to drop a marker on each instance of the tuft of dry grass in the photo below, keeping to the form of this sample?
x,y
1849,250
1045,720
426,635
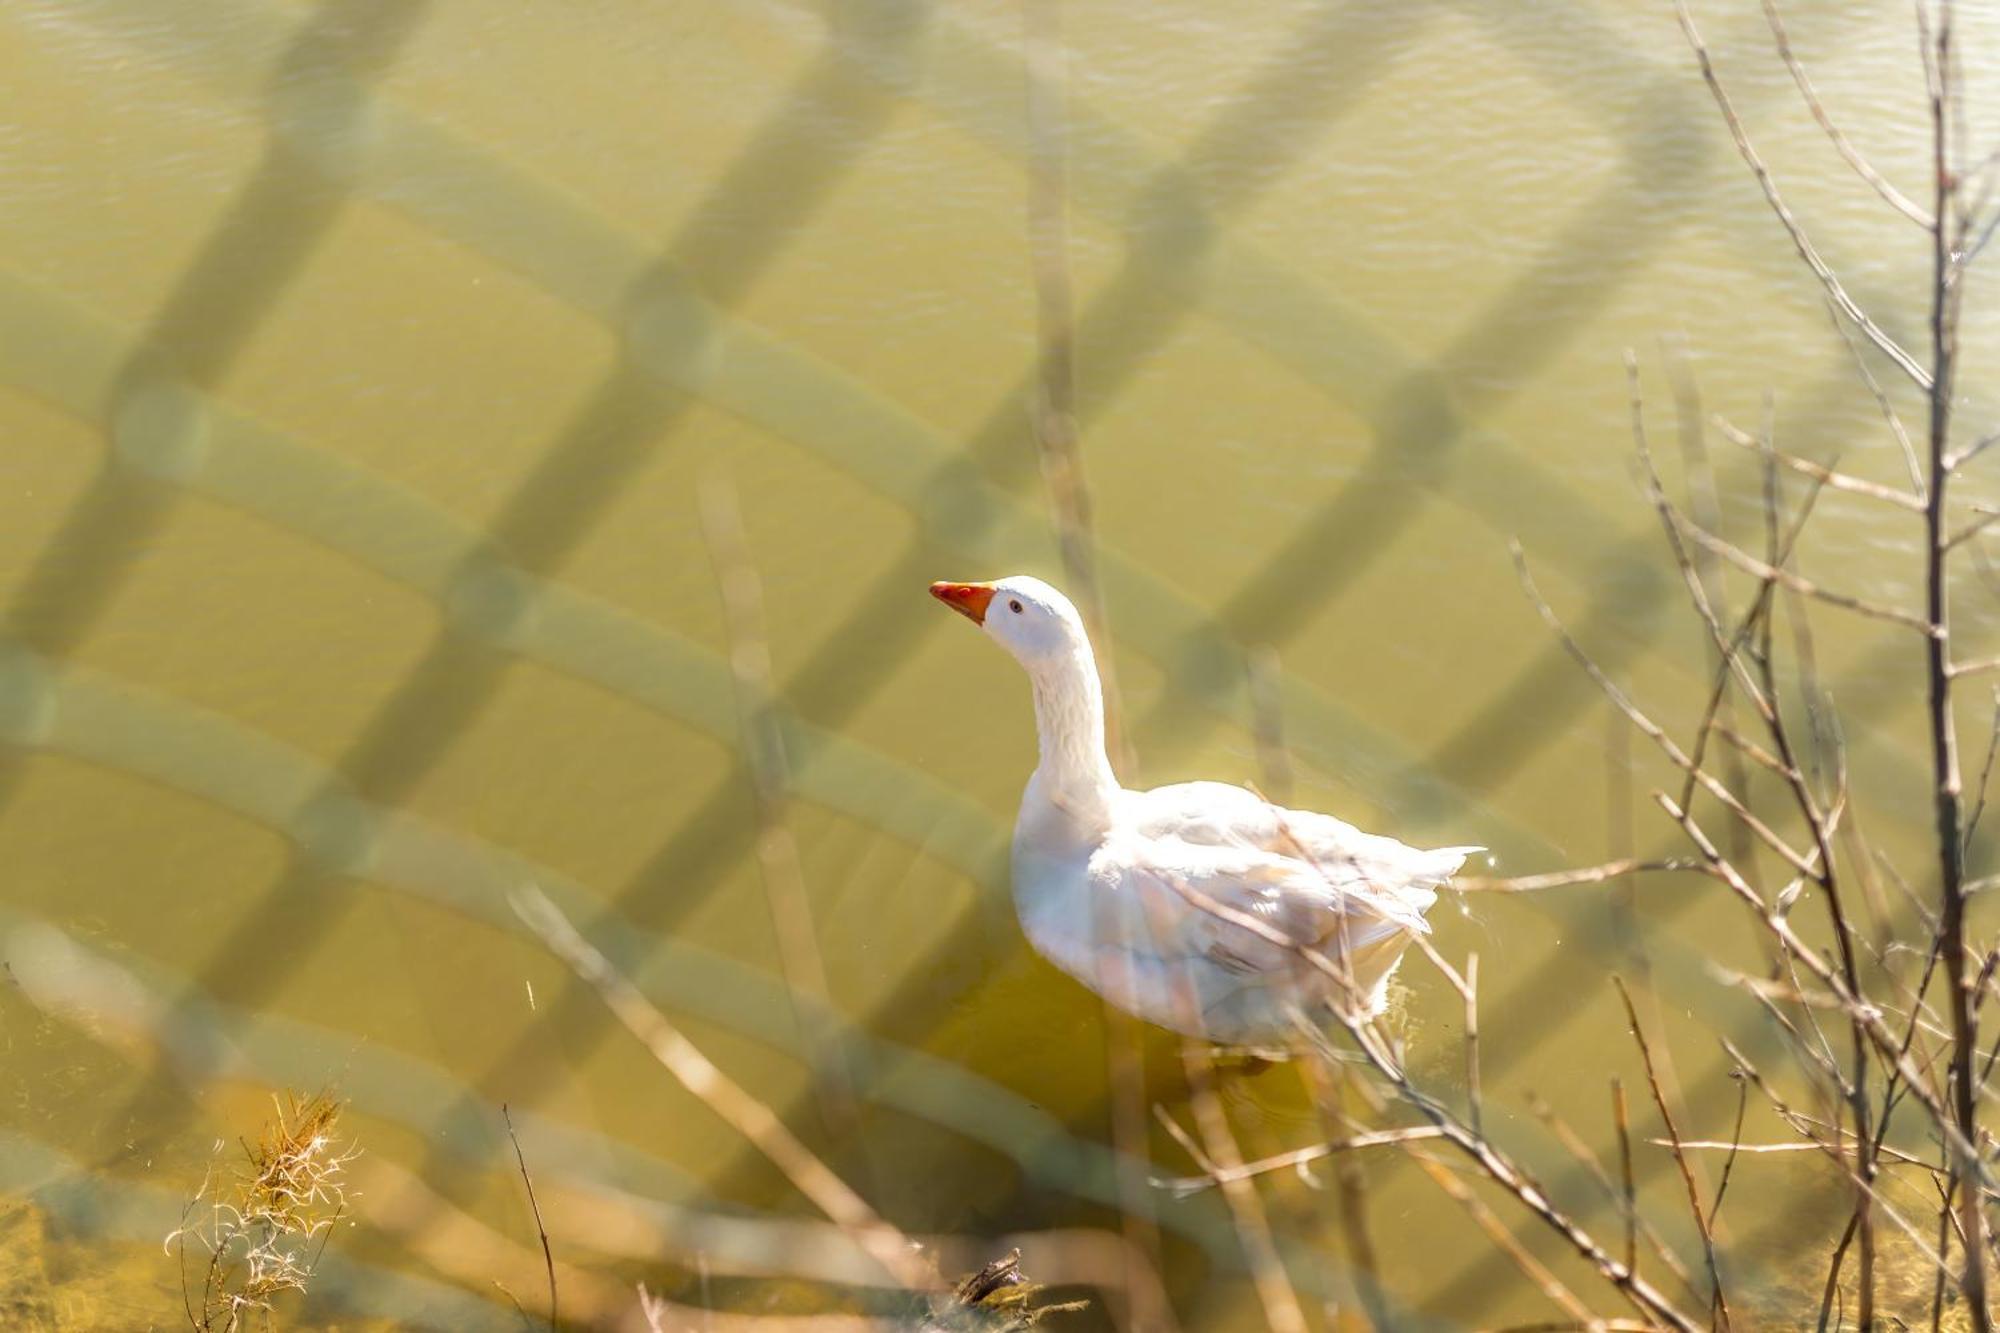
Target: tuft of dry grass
x,y
265,1230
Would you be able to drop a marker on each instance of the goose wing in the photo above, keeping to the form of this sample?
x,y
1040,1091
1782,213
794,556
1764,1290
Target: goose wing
x,y
1170,880
1395,880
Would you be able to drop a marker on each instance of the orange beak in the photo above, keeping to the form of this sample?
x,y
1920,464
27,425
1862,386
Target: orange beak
x,y
968,599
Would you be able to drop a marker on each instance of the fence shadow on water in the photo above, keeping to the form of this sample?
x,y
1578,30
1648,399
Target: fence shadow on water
x,y
158,396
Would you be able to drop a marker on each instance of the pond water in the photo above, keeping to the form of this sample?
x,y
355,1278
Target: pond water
x,y
373,375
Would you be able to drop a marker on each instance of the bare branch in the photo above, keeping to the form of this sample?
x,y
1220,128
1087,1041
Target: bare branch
x,y
1718,1145
1701,1221
1653,731
1758,755
1472,1088
1623,1120
1562,879
1977,247
548,1255
1750,564
1839,481
1879,1035
1503,1240
1727,645
1985,777
1626,1197
1223,1158
1976,667
758,1125
1959,458
1987,517
1591,1326
1835,1149
1735,1141
1832,1287
1895,198
1183,1186
1282,1313
1947,245
1890,416
1838,293
1497,1166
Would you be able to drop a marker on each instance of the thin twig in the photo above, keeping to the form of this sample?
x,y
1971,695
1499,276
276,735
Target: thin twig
x,y
1985,776
1838,293
1332,1087
1593,1326
758,1125
1750,564
1472,1090
1756,753
1704,502
1979,667
1503,1240
1184,1186
1620,1117
1947,242
1735,1146
1987,516
1495,1164
1562,879
1625,1195
1832,1287
1282,1312
548,1255
1954,461
1827,476
1893,419
1822,824
1895,198
1835,1152
1879,1035
1727,645
1701,1221
1222,1158
1719,1145
1652,730
1943,1271
1335,1088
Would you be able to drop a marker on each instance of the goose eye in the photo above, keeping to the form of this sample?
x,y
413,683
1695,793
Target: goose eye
x,y
1014,605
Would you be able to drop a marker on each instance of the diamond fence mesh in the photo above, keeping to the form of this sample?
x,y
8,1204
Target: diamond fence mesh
x,y
159,398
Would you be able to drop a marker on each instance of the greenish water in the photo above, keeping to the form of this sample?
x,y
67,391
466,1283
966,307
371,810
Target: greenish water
x,y
361,369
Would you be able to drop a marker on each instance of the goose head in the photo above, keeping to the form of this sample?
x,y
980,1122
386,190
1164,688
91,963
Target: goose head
x,y
1026,616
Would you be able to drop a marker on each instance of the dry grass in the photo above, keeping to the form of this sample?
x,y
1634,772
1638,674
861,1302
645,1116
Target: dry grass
x,y
264,1230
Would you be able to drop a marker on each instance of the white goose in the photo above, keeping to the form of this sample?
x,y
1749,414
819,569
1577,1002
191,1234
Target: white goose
x,y
1096,866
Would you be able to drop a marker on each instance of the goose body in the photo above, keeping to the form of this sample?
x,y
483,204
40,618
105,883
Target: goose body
x,y
1107,880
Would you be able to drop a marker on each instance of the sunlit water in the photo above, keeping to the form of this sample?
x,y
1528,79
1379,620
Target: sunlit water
x,y
360,371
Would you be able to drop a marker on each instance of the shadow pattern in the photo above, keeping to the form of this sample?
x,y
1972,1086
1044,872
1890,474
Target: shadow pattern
x,y
825,124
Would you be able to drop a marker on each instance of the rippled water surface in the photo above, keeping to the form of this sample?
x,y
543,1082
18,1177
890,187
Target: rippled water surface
x,y
364,368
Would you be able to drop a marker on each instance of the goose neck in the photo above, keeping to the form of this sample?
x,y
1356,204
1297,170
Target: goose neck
x,y
1074,771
